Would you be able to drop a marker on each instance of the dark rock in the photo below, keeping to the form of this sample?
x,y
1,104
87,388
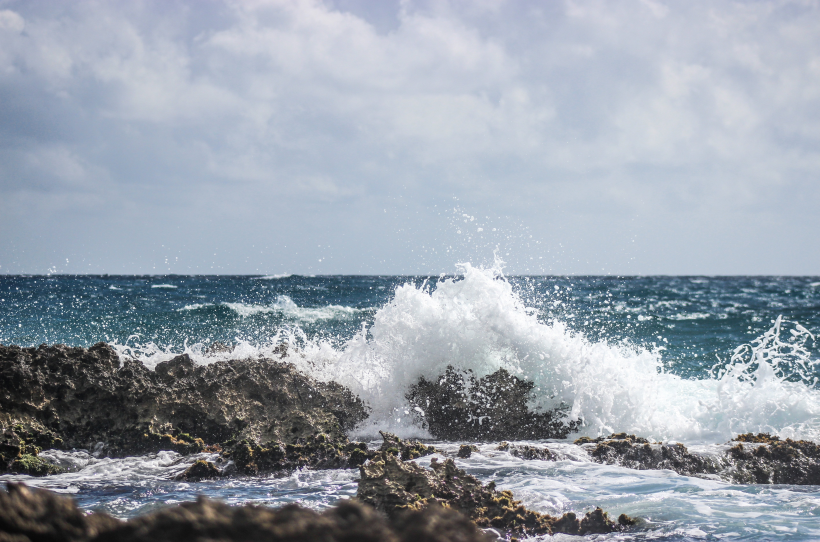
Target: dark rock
x,y
532,452
459,406
77,397
393,486
439,524
37,515
756,459
19,452
774,461
200,470
318,452
636,453
466,450
33,466
406,449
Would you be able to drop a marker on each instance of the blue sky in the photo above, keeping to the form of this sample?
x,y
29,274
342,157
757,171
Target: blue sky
x,y
594,137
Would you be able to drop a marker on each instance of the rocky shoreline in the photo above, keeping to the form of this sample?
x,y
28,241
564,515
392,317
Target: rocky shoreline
x,y
264,416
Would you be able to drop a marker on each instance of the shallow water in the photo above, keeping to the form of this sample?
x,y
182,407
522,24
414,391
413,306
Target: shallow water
x,y
693,359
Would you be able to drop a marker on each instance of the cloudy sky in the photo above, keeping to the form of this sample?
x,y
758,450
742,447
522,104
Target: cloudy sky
x,y
358,136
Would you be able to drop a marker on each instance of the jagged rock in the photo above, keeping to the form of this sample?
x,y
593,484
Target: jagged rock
x,y
77,397
37,515
407,449
393,486
200,470
774,461
318,452
466,450
756,459
33,466
459,406
532,452
637,453
19,453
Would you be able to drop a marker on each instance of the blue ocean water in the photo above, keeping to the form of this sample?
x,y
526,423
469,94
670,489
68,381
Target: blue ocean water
x,y
695,359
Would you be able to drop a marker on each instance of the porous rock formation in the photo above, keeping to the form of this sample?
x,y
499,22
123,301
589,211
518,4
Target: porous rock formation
x,y
755,459
765,459
36,515
394,487
459,406
524,451
638,453
66,397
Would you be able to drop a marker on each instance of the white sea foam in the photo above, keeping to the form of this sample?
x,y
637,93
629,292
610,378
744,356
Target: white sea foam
x,y
477,322
285,306
480,324
274,277
170,286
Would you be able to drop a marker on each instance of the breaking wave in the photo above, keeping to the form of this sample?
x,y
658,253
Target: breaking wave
x,y
478,323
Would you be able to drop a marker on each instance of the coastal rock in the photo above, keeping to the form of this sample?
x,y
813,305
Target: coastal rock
x,y
755,459
459,406
36,515
393,486
406,449
19,453
765,459
637,453
200,470
541,453
78,397
317,452
466,450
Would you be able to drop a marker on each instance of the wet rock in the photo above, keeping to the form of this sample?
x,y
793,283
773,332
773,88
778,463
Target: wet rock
x,y
318,452
200,470
541,453
393,486
755,459
406,449
765,459
459,406
637,453
33,466
78,397
19,453
37,515
466,450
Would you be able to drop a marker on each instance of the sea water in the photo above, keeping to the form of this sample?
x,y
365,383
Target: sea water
x,y
689,359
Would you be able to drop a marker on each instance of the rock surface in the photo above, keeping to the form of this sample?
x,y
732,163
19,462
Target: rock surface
x,y
755,459
459,406
77,397
36,515
394,487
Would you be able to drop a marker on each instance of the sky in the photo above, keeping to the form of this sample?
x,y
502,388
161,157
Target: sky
x,y
399,137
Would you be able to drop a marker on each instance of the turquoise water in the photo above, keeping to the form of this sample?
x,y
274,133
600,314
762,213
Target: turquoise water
x,y
695,359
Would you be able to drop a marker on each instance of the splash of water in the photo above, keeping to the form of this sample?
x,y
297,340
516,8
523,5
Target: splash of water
x,y
479,323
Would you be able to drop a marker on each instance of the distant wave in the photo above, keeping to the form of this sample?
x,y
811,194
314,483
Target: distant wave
x,y
274,277
163,286
285,306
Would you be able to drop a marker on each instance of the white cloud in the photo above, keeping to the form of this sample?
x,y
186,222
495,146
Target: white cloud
x,y
632,107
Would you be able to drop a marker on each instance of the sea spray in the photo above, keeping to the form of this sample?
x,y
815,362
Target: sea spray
x,y
478,323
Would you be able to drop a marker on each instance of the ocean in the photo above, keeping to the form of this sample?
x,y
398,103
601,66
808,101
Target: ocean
x,y
695,360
